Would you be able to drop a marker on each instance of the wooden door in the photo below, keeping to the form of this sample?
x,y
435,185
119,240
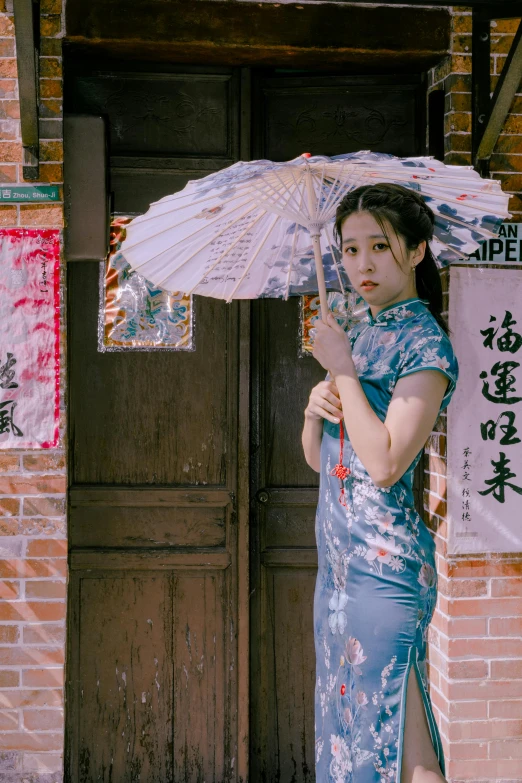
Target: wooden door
x,y
158,473
294,115
162,464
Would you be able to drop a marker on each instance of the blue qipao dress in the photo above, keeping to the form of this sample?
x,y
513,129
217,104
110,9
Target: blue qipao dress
x,y
376,584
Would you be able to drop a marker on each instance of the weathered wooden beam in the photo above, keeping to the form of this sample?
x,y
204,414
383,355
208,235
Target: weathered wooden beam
x,y
308,35
26,12
501,9
501,102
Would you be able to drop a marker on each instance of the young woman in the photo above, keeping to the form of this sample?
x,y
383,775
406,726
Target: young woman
x,y
365,429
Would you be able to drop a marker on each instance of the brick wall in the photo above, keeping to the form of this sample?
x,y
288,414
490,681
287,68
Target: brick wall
x,y
476,659
33,549
476,634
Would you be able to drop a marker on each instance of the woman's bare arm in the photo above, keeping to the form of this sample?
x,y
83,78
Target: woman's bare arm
x,y
387,449
324,403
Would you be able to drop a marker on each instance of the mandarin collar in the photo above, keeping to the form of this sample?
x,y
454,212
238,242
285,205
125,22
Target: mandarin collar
x,y
398,311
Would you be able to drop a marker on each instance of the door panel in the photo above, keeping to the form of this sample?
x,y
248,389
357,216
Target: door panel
x,y
293,115
154,514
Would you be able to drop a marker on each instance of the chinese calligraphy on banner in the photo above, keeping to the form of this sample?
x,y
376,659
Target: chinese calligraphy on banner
x,y
485,417
29,338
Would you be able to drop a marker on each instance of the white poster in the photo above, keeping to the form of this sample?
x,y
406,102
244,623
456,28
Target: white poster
x,y
485,415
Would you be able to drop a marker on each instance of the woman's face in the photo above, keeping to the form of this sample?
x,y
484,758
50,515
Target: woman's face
x,y
370,264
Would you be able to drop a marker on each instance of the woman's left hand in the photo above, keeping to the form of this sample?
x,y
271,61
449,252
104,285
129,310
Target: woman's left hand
x,y
332,347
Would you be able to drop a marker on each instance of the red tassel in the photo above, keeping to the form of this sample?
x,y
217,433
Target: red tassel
x,y
340,470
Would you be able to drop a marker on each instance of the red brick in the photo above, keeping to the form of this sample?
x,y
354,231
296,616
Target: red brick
x,y
504,26
6,25
501,670
461,670
8,68
10,110
486,648
40,463
51,151
8,88
14,740
43,720
485,607
501,44
32,485
506,708
461,63
461,24
8,215
8,173
45,589
461,588
42,678
467,710
9,721
7,47
39,527
33,611
51,47
31,698
9,506
461,44
457,122
9,590
30,656
45,507
508,144
44,633
27,569
469,750
481,770
477,568
51,88
9,678
484,689
50,172
50,25
50,67
41,215
506,587
505,162
50,109
9,526
9,634
511,749
9,463
43,548
511,183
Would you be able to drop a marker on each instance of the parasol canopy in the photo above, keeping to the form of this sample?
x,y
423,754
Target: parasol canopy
x,y
265,229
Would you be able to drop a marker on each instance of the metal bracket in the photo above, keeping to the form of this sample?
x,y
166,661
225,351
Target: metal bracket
x,y
489,114
27,35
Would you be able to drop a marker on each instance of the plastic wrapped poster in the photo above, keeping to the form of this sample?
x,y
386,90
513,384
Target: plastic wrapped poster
x,y
29,338
136,315
348,309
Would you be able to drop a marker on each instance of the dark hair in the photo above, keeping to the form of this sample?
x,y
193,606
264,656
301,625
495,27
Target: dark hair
x,y
411,218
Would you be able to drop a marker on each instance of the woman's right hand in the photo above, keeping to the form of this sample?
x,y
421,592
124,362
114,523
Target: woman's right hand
x,y
324,403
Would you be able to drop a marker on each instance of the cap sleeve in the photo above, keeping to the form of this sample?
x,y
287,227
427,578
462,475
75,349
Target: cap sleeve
x,y
431,352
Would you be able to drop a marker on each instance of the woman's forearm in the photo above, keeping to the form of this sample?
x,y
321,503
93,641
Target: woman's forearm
x,y
311,440
368,435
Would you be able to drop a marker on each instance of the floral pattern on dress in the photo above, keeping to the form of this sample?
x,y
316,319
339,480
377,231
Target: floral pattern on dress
x,y
376,584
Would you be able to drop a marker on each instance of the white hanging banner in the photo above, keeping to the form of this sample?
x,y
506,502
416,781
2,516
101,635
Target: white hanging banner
x,y
485,415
